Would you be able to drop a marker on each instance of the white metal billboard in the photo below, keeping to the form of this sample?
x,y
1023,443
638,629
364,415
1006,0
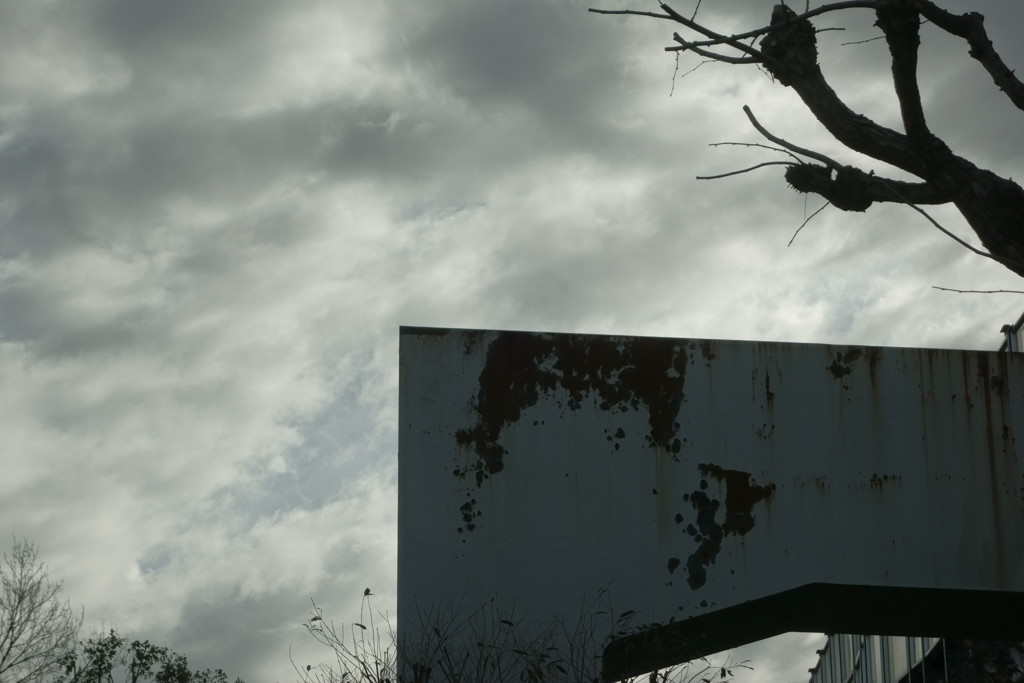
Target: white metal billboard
x,y
720,491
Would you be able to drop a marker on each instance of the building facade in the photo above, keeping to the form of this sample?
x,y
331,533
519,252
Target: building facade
x,y
900,659
1013,336
880,659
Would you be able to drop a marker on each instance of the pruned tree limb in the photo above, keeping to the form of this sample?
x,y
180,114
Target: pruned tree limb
x,y
716,38
720,39
791,48
852,189
901,25
971,27
788,52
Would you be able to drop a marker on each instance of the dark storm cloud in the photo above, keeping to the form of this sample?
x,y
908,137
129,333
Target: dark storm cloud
x,y
515,54
184,37
215,215
34,192
547,63
207,159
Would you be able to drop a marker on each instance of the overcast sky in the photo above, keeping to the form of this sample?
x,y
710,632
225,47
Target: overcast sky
x,y
215,214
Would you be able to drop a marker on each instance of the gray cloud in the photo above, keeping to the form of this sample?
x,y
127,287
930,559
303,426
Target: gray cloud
x,y
213,218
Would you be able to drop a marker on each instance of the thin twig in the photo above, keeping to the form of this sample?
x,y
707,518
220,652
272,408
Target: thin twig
x,y
633,12
806,221
979,291
758,144
702,63
861,42
881,37
948,233
674,73
685,45
745,170
789,145
731,40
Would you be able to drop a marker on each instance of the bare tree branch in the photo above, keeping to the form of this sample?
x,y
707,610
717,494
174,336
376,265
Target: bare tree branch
x,y
979,291
758,144
675,74
901,26
716,38
791,55
693,47
788,52
971,27
806,221
789,145
721,39
37,629
633,12
852,189
695,10
959,240
745,170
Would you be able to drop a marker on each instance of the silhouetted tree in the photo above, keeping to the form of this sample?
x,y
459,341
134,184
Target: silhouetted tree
x,y
109,658
787,49
38,628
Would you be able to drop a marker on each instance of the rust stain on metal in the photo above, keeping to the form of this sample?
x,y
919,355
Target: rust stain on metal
x,y
994,385
769,395
469,515
840,367
740,497
620,374
874,358
878,481
707,350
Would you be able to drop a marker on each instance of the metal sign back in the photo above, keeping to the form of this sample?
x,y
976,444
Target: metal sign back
x,y
722,491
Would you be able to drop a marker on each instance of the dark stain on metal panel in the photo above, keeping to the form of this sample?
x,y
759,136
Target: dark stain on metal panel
x,y
994,389
840,367
874,358
878,481
621,374
707,350
469,515
740,497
